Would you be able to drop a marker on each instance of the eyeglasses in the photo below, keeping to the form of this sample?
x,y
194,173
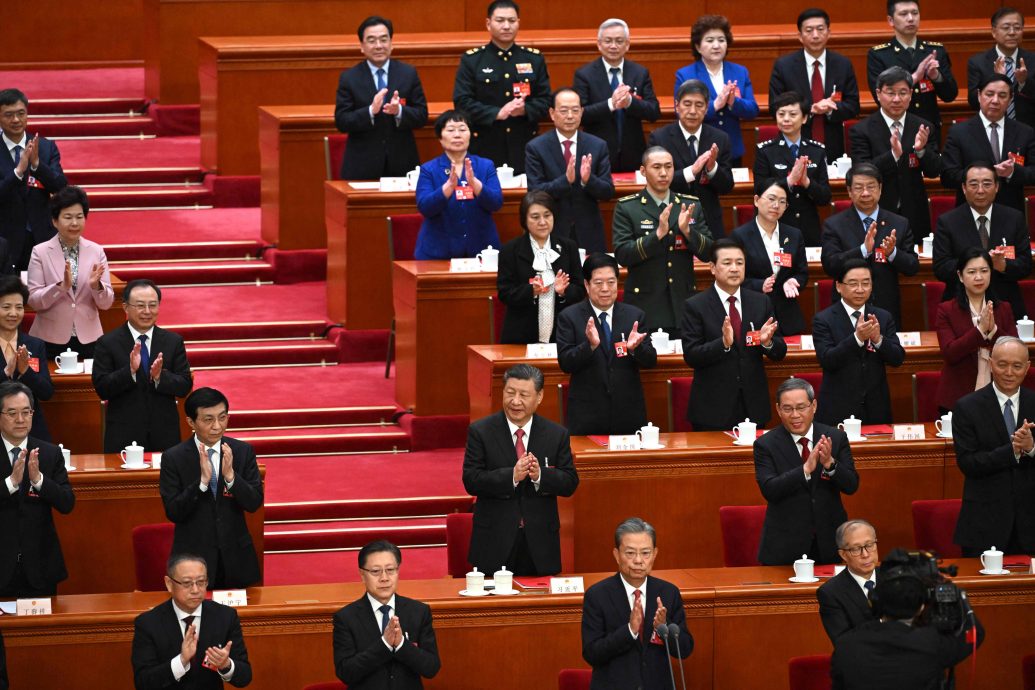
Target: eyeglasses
x,y
789,409
613,42
901,93
376,573
18,414
15,115
568,111
613,282
858,284
983,184
775,200
643,553
200,583
867,188
141,306
858,550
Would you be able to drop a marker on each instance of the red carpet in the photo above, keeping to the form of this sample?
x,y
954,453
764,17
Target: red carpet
x,y
77,83
160,152
174,226
341,566
299,387
246,304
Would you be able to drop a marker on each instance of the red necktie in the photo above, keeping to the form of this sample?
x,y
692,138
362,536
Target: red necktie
x,y
636,602
804,442
567,152
734,317
519,446
818,121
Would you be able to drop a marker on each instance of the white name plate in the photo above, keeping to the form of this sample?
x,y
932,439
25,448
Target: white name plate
x,y
230,597
465,266
909,338
567,585
623,442
813,254
741,175
908,432
541,351
33,607
807,343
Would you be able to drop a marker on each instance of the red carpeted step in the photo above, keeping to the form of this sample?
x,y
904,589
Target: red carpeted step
x,y
86,106
229,249
179,226
403,532
187,195
115,176
247,330
68,84
320,416
122,125
140,152
318,567
194,272
367,508
366,524
301,441
241,353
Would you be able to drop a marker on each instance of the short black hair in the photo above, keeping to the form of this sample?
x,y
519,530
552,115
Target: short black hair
x,y
596,261
993,78
139,282
788,98
12,97
177,558
865,170
374,20
851,265
765,183
981,165
704,24
965,257
813,13
379,546
694,87
203,397
725,243
894,75
651,150
892,3
558,92
9,388
1002,12
536,196
450,116
502,4
10,285
66,197
525,372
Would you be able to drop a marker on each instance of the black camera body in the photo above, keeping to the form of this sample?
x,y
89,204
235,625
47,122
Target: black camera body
x,y
945,606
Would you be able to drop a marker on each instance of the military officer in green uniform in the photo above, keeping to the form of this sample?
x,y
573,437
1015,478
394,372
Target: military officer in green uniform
x,y
504,89
656,234
927,61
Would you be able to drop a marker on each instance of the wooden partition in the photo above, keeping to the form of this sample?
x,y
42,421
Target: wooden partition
x,y
60,34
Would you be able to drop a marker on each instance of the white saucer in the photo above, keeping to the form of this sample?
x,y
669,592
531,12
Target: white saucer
x,y
803,581
941,435
657,447
994,572
856,440
79,369
504,592
70,469
465,593
124,466
738,443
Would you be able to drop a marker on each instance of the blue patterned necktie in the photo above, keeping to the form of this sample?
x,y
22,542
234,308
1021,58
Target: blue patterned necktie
x,y
1010,110
17,154
619,112
1011,423
385,609
145,356
214,479
606,328
380,78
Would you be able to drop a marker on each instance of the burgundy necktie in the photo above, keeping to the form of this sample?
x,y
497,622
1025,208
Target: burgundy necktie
x,y
804,442
818,121
567,152
519,446
734,318
636,602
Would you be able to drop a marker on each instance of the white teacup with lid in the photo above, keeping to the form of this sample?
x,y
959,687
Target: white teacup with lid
x,y
68,361
852,427
992,560
503,580
475,582
745,433
944,425
650,435
1025,328
490,259
803,568
133,455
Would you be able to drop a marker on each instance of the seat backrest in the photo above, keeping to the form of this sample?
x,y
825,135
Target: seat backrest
x,y
933,290
330,685
846,127
824,293
810,672
402,235
939,205
841,205
1027,294
678,401
741,532
766,132
458,542
742,214
574,679
933,525
815,379
497,312
562,403
1028,671
1031,218
152,545
925,396
333,155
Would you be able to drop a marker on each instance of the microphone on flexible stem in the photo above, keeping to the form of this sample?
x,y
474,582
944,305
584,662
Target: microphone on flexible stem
x,y
673,631
663,634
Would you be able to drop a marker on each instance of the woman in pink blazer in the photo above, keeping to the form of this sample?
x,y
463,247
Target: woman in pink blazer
x,y
69,280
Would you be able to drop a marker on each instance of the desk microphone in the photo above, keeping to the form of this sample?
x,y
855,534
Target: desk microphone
x,y
673,631
663,634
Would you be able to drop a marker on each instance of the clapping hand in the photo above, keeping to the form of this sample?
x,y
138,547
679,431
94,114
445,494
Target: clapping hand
x,y
561,282
226,466
986,320
218,657
922,135
871,237
767,331
591,333
768,283
705,161
66,281
393,634
791,288
96,273
1004,169
189,646
22,357
896,145
156,368
393,106
379,100
533,467
888,244
635,337
1022,439
521,468
449,186
585,168
621,97
206,467
727,333
660,615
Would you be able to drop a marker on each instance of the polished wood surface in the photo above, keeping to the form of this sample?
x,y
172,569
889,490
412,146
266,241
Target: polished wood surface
x,y
56,37
288,632
74,415
109,503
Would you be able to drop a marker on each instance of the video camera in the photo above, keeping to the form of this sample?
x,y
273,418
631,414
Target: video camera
x,y
945,605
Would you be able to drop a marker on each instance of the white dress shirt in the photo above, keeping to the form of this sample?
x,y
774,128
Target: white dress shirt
x,y
849,309
810,61
629,589
861,581
388,96
216,461
376,606
621,78
772,244
1001,130
24,445
179,670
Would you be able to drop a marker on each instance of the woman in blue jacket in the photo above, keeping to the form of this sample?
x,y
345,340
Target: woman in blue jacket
x,y
457,194
732,98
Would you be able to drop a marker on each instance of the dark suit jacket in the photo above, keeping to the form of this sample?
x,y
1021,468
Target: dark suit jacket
x,y
774,159
521,323
384,147
982,65
958,231
896,656
28,519
902,189
139,410
38,382
967,143
578,206
720,376
213,528
593,84
855,380
364,662
24,205
157,638
997,489
606,396
488,475
799,507
843,235
790,73
670,137
960,341
759,266
842,605
619,660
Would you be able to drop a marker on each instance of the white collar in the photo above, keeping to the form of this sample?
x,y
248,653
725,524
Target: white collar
x,y
849,309
514,427
24,445
217,447
724,297
608,67
1001,54
376,605
765,235
987,214
136,334
574,139
986,122
11,144
1000,396
181,614
629,589
809,59
798,437
888,120
687,133
860,580
610,313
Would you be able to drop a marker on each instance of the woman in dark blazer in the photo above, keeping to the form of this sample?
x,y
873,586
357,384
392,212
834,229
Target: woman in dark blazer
x,y
552,262
968,327
784,285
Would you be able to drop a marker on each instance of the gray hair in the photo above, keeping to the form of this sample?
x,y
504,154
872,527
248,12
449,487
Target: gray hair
x,y
842,531
795,384
894,75
612,22
1007,340
524,372
177,558
694,87
635,525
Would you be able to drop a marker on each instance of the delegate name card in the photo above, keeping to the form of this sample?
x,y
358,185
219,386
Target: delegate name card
x,y
567,585
908,432
230,597
33,607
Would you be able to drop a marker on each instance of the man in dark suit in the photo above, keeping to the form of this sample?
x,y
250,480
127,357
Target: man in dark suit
x,y
701,153
574,169
991,431
603,344
207,483
899,143
927,61
379,104
656,235
30,171
516,464
621,616
1006,57
141,369
844,600
1000,230
726,330
864,230
23,358
855,342
189,642
993,137
618,96
504,89
35,483
802,469
823,78
383,640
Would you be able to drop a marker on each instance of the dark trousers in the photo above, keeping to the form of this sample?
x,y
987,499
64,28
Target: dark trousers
x,y
520,560
19,588
85,350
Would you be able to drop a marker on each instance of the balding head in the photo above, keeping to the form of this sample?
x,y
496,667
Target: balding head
x,y
1010,364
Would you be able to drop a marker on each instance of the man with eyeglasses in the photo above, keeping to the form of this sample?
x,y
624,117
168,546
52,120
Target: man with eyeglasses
x,y
855,342
844,600
207,484
141,369
618,96
1008,58
383,640
900,144
998,229
866,230
574,168
34,484
189,641
802,467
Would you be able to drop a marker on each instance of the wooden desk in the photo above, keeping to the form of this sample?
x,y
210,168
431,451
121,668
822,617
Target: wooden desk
x,y
74,414
109,503
288,632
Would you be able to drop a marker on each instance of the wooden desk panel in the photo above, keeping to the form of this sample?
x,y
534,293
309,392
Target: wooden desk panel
x,y
96,537
74,413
